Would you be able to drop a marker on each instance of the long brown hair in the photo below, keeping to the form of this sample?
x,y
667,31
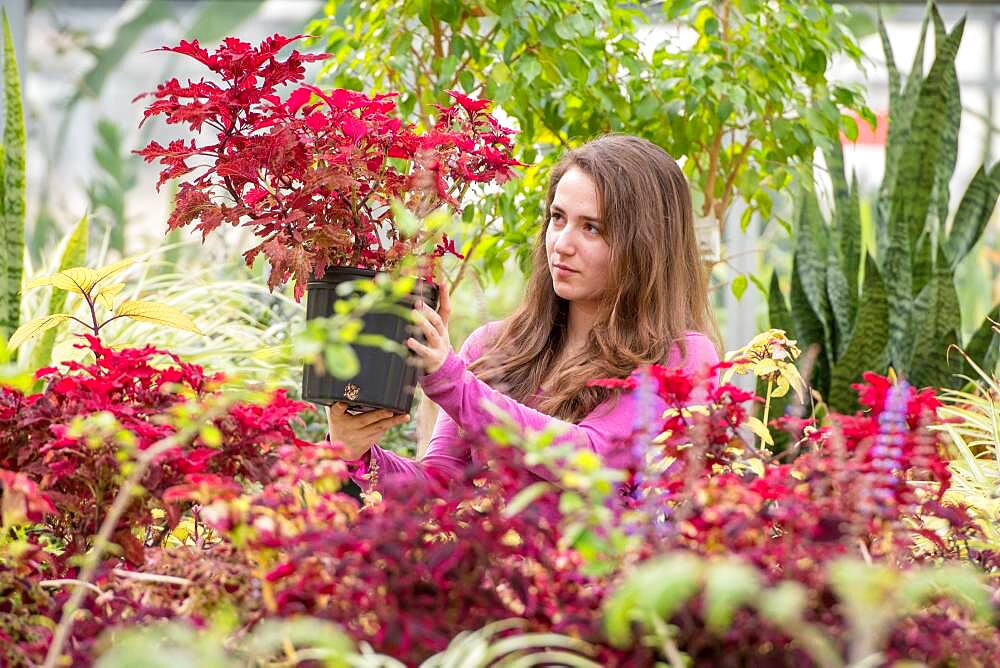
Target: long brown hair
x,y
656,286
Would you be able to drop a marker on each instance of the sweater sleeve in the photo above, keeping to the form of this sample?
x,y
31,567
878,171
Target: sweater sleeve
x,y
447,452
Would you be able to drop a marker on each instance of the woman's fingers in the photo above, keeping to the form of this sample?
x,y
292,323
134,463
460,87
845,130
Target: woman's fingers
x,y
375,430
371,417
433,317
417,347
444,302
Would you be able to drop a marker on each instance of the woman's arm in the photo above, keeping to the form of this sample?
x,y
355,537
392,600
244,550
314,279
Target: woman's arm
x,y
464,398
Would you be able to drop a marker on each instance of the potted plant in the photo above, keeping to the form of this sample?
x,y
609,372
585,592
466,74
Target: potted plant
x,y
314,175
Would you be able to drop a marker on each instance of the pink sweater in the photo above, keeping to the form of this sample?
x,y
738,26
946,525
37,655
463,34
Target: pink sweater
x,y
461,396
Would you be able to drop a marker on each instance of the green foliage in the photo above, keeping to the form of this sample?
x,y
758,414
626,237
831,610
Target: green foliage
x,y
906,313
971,421
210,21
280,642
12,194
566,71
872,598
117,175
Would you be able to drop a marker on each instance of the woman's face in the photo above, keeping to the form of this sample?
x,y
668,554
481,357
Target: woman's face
x,y
578,254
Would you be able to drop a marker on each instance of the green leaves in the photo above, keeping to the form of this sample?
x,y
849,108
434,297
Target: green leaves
x,y
909,314
919,157
866,348
973,213
12,194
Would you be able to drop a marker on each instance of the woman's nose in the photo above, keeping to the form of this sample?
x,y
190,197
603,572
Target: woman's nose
x,y
564,244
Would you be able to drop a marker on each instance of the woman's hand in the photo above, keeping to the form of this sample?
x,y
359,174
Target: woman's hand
x,y
434,325
359,432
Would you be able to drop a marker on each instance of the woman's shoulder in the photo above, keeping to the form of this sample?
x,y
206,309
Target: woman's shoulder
x,y
697,351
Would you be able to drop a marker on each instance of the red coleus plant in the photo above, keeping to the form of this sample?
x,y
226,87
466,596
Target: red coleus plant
x,y
313,173
875,478
80,471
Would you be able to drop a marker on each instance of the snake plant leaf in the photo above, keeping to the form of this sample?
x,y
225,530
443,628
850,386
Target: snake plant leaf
x,y
924,148
777,310
35,327
923,263
845,231
948,131
867,348
901,109
12,190
974,212
984,344
158,314
809,330
839,296
811,252
897,268
938,321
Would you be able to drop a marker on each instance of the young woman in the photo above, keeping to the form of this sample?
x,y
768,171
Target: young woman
x,y
617,283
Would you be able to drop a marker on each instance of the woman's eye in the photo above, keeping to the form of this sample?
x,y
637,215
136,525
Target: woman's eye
x,y
593,229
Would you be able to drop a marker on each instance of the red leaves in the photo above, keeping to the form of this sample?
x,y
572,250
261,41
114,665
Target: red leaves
x,y
46,463
309,173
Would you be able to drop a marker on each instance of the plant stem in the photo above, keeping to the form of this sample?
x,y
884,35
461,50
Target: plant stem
x,y
767,399
118,508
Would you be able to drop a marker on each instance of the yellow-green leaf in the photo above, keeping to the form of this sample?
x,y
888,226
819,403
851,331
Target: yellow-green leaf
x,y
108,293
760,429
81,280
34,328
158,314
110,270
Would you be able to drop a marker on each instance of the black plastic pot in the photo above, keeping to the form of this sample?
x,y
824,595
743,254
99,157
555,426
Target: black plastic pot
x,y
385,380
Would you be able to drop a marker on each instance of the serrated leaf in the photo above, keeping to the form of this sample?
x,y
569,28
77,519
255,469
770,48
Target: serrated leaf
x,y
34,328
158,314
81,280
866,348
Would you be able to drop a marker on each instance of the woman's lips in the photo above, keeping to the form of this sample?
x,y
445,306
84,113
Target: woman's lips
x,y
564,269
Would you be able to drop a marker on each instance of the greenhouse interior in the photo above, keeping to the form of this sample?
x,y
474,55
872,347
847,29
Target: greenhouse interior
x,y
474,333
